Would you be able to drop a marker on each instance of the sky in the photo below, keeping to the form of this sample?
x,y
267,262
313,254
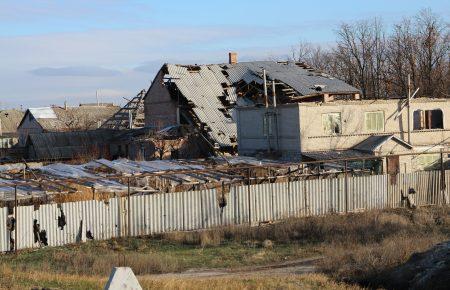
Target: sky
x,y
57,51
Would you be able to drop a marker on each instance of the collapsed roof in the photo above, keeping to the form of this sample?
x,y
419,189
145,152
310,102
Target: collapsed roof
x,y
212,91
130,116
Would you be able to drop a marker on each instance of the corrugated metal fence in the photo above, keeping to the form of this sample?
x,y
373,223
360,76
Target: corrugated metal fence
x,y
183,211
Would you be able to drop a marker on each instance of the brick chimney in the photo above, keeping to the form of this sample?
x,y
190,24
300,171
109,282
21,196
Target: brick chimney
x,y
232,58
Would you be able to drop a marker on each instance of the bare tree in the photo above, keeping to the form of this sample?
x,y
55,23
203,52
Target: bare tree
x,y
419,47
378,64
361,50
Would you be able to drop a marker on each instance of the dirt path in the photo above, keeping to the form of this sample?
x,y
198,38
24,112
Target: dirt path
x,y
300,266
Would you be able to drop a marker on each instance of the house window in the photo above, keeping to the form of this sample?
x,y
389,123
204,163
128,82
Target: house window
x,y
331,123
428,161
374,121
428,119
268,124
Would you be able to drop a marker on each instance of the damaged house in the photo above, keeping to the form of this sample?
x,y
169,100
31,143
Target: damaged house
x,y
205,96
358,129
121,135
64,119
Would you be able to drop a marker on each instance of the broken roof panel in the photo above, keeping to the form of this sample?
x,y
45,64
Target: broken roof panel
x,y
202,86
133,167
211,89
304,81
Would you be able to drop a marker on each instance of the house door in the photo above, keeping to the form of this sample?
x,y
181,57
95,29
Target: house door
x,y
393,167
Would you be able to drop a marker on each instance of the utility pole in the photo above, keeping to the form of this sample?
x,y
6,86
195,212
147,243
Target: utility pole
x,y
274,94
266,99
275,113
267,117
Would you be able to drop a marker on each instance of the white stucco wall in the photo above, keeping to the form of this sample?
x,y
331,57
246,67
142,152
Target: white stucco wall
x,y
300,126
353,117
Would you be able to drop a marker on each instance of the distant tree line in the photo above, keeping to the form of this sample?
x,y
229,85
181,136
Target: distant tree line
x,y
378,61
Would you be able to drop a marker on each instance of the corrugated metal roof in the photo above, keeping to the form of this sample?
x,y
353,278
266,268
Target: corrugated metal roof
x,y
372,143
300,79
203,87
329,155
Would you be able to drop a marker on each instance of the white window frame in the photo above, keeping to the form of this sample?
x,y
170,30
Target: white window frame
x,y
325,118
377,128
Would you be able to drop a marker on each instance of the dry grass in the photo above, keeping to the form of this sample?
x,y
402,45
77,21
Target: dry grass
x,y
358,228
357,248
367,262
310,281
101,261
28,280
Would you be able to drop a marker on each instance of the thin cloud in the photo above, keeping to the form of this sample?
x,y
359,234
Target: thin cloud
x,y
150,66
75,71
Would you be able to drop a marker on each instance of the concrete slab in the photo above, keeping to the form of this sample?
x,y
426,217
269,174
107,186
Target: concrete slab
x,y
122,278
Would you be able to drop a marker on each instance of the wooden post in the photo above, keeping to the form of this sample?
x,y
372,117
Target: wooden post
x,y
249,198
346,186
443,185
129,209
15,218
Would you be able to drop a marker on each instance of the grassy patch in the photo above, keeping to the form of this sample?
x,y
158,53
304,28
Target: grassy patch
x,y
147,256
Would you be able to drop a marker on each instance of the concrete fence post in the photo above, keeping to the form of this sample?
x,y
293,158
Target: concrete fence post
x,y
346,186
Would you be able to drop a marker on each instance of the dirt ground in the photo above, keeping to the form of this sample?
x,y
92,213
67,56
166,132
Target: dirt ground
x,y
299,266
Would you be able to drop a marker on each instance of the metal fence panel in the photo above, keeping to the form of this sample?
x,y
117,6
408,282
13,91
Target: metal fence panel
x,y
296,199
211,210
281,200
24,227
193,210
243,197
4,233
263,205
